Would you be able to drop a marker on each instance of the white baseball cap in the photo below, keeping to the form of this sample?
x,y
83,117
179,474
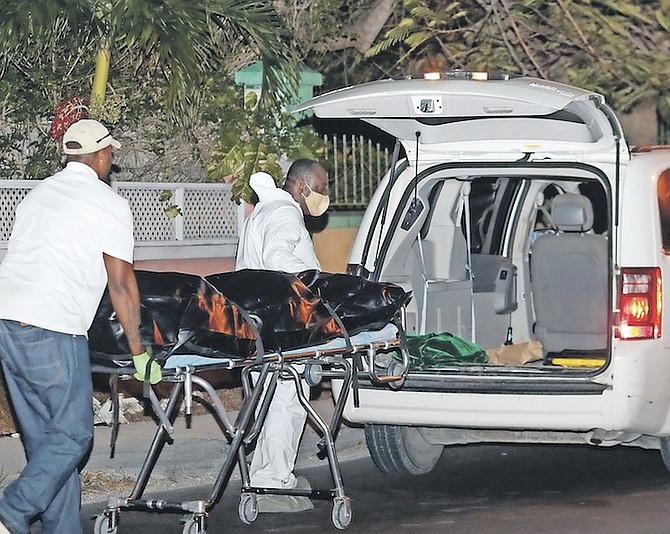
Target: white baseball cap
x,y
87,136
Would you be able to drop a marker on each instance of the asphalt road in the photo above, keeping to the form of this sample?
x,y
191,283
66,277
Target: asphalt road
x,y
473,489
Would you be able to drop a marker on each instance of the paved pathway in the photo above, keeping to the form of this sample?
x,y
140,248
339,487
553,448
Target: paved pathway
x,y
193,459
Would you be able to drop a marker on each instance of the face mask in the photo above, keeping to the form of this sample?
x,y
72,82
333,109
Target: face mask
x,y
316,203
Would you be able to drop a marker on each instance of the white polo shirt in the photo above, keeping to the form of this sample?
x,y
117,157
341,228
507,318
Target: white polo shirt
x,y
53,275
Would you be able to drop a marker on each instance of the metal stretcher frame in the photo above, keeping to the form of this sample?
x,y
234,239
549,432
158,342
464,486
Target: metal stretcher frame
x,y
343,358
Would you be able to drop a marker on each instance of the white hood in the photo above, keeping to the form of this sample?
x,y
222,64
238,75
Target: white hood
x,y
265,187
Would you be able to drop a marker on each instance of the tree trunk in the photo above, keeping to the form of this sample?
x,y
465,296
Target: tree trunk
x,y
368,28
100,78
365,31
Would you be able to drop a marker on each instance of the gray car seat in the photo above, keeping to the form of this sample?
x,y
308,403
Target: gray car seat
x,y
569,274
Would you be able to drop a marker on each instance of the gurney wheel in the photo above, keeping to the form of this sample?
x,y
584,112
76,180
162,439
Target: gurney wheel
x,y
103,525
313,374
248,508
194,526
342,513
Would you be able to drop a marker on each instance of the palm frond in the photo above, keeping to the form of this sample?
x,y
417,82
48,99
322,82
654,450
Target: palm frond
x,y
23,25
260,25
178,30
415,40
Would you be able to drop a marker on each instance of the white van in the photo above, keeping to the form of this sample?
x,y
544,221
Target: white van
x,y
515,206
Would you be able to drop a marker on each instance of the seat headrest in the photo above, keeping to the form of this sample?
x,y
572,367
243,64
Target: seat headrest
x,y
572,213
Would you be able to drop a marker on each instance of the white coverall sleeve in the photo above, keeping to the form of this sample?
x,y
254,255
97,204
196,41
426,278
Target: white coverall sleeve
x,y
287,245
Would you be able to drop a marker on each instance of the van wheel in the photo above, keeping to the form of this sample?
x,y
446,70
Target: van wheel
x,y
665,451
401,449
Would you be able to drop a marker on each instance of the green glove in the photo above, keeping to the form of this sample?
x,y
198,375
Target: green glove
x,y
140,362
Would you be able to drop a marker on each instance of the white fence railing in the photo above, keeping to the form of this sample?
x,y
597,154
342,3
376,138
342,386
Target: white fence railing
x,y
208,217
356,166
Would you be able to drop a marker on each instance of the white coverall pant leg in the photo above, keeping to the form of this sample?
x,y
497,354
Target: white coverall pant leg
x,y
277,445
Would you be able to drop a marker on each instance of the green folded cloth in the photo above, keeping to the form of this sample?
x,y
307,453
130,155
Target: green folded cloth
x,y
430,351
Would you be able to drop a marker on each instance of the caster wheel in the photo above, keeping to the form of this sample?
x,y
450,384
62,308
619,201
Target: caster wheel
x,y
395,369
342,513
313,374
103,525
248,508
194,526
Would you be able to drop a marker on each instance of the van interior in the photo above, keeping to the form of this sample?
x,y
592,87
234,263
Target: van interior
x,y
516,262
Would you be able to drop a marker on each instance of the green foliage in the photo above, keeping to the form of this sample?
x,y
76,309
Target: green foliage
x,y
163,54
27,150
422,24
616,47
251,140
405,28
170,209
176,40
257,22
24,153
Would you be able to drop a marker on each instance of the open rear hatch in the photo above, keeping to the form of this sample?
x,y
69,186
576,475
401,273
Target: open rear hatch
x,y
466,119
510,122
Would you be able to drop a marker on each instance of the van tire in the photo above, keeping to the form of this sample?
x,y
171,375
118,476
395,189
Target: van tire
x,y
401,450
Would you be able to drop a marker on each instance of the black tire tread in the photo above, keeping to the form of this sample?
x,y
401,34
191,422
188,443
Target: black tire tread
x,y
384,443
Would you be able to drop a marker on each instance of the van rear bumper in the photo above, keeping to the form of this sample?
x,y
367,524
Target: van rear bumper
x,y
415,405
480,385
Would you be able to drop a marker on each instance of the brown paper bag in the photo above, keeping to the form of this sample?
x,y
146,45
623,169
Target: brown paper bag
x,y
516,354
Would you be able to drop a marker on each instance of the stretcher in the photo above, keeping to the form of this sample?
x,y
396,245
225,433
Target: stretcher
x,y
379,354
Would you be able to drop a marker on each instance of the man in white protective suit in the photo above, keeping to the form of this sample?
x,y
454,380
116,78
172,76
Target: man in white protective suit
x,y
274,237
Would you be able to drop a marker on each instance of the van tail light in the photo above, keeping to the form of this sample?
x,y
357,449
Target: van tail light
x,y
640,303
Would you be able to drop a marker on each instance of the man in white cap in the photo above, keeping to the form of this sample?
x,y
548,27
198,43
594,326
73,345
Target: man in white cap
x,y
72,236
274,237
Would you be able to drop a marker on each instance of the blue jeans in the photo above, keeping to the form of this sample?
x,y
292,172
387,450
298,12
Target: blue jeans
x,y
48,378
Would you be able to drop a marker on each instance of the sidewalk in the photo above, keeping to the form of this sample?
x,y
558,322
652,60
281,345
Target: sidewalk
x,y
194,458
